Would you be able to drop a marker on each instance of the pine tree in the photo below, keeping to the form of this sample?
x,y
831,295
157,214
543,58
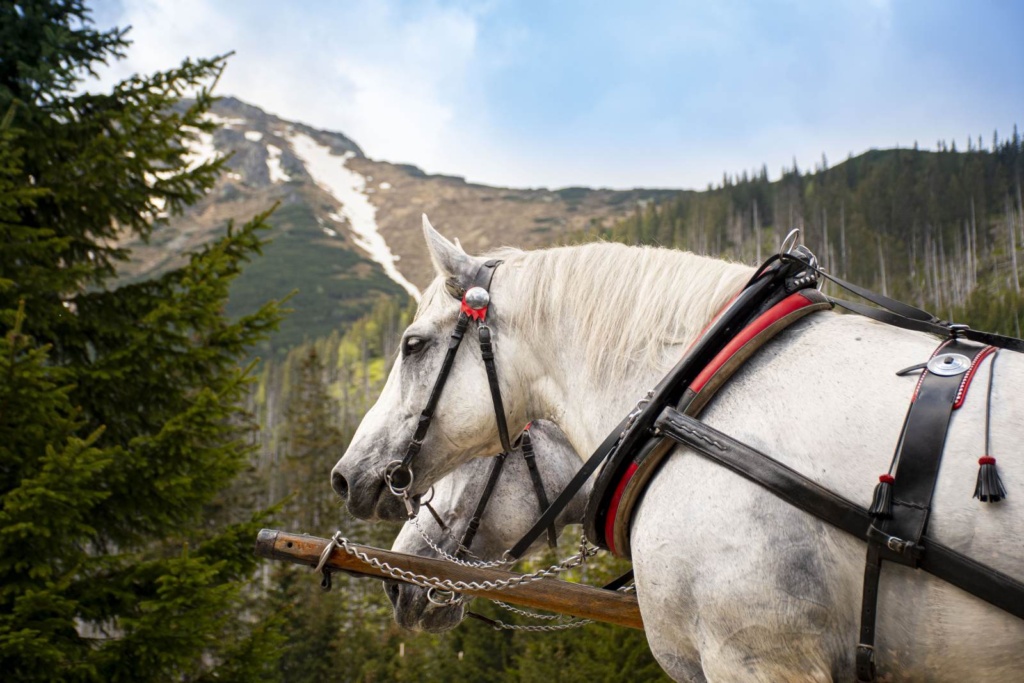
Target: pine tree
x,y
119,418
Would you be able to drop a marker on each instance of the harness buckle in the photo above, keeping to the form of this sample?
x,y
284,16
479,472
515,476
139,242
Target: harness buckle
x,y
956,329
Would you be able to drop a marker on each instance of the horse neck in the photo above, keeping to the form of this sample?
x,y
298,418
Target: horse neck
x,y
603,323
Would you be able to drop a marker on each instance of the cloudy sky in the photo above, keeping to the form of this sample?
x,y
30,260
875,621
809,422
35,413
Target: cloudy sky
x,y
616,94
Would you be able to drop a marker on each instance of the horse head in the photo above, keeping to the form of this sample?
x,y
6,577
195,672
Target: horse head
x,y
462,424
510,511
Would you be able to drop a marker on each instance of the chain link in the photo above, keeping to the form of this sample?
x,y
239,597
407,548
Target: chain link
x,y
476,564
424,581
527,613
500,625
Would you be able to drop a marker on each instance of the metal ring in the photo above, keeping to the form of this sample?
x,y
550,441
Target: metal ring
x,y
443,598
791,240
430,491
389,472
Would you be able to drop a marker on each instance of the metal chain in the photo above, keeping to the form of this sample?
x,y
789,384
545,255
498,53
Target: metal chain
x,y
500,625
477,564
436,583
527,613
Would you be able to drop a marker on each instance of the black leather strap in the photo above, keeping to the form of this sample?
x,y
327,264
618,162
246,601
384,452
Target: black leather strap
x,y
904,315
497,465
454,342
487,352
568,493
765,288
921,447
994,587
482,278
526,446
865,657
617,583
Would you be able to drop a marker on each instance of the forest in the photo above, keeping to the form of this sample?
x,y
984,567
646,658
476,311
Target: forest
x,y
142,445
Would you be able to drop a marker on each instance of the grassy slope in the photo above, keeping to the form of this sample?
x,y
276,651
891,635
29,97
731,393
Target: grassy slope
x,y
334,285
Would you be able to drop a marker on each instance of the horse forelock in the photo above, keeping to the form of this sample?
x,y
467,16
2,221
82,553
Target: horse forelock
x,y
625,305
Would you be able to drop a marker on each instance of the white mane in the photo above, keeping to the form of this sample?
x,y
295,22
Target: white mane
x,y
599,285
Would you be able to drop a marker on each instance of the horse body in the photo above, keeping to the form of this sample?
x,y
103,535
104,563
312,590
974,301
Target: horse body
x,y
764,592
733,583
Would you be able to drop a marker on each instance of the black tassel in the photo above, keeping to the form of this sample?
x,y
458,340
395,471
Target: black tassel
x,y
989,488
881,504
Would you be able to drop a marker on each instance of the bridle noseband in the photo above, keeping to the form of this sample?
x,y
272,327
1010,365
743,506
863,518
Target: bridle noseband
x,y
399,474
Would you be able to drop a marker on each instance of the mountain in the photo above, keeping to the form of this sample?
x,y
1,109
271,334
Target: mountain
x,y
347,230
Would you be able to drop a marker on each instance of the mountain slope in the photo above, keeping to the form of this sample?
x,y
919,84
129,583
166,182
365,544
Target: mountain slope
x,y
347,231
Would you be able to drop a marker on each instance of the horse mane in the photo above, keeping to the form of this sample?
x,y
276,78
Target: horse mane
x,y
628,305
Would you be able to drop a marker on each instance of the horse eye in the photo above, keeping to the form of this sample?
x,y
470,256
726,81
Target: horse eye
x,y
411,345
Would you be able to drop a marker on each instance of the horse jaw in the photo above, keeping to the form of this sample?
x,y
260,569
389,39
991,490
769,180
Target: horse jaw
x,y
412,608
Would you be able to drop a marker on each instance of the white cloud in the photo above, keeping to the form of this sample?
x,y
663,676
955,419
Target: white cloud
x,y
391,80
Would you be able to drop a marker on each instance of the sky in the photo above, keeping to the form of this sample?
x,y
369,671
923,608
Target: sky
x,y
605,94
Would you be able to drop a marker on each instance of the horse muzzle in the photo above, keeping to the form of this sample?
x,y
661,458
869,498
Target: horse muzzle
x,y
415,612
366,495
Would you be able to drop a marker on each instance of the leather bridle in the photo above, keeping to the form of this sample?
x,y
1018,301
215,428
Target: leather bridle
x,y
399,476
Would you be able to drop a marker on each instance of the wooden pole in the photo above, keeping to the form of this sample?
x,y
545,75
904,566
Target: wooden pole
x,y
552,595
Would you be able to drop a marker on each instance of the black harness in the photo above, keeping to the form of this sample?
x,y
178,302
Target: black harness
x,y
399,474
897,531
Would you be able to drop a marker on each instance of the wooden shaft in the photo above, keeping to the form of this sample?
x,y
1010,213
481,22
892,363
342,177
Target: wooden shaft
x,y
552,595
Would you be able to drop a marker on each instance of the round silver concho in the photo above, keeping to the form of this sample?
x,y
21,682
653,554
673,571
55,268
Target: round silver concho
x,y
477,298
949,364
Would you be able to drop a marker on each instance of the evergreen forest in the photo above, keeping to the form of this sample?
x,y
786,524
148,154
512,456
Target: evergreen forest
x,y
142,445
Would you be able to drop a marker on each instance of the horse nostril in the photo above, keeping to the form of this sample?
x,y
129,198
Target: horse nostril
x,y
392,588
339,484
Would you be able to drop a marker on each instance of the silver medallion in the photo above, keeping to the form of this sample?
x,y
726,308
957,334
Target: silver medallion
x,y
949,364
477,298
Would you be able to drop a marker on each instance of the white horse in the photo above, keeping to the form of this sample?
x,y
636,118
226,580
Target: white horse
x,y
734,584
511,511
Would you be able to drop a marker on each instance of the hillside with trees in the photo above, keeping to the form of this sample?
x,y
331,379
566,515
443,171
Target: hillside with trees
x,y
943,230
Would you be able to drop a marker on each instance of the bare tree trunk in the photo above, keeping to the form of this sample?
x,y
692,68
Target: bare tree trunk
x,y
881,265
1012,229
824,234
842,236
1020,211
974,240
757,232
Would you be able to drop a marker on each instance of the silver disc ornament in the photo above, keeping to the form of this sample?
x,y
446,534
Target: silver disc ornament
x,y
949,364
477,298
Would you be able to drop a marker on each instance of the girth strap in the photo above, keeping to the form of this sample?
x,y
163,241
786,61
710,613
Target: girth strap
x,y
990,585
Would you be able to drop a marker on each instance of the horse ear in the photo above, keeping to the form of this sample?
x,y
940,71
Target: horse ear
x,y
449,259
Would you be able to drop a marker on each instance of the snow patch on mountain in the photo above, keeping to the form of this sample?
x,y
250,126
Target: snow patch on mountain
x,y
277,174
349,189
253,135
201,149
224,121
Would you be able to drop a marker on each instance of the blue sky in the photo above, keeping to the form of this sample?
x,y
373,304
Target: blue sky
x,y
624,94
